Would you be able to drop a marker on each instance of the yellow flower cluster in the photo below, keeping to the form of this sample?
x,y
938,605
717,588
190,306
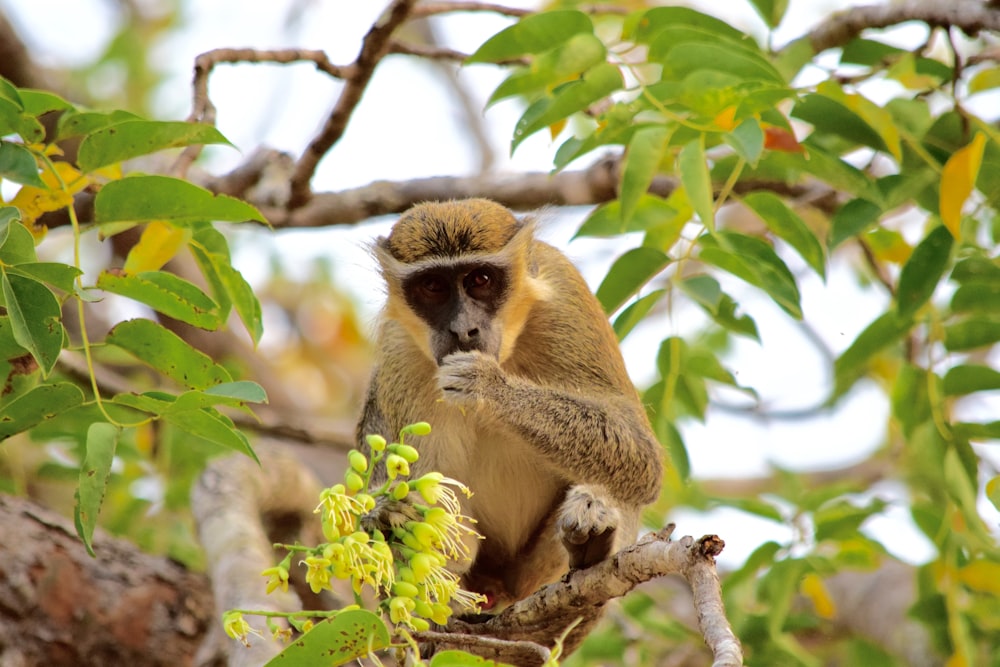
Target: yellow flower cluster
x,y
407,567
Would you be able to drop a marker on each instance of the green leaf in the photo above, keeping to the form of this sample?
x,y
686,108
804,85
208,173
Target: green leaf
x,y
851,219
57,274
596,84
788,226
842,519
911,397
657,19
346,637
747,140
706,292
38,102
966,379
166,293
971,333
756,507
234,394
680,60
43,402
132,138
976,297
245,301
696,180
881,333
976,269
168,353
627,276
535,33
606,219
18,164
835,172
868,52
74,124
677,455
635,312
14,120
35,318
102,439
755,262
851,117
139,199
580,53
923,271
455,658
642,162
772,11
17,246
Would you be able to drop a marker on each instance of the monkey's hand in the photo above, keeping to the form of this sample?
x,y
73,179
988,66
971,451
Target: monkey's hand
x,y
587,524
388,514
466,377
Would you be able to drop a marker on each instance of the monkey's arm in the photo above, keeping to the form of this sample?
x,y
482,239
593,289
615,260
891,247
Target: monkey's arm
x,y
603,439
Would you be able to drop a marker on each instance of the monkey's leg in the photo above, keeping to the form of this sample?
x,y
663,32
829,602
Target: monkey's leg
x,y
590,525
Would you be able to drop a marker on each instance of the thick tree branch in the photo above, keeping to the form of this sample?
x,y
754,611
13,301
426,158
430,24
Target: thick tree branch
x,y
62,607
544,616
970,16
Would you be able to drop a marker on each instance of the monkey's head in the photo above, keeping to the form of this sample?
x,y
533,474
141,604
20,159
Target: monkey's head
x,y
458,275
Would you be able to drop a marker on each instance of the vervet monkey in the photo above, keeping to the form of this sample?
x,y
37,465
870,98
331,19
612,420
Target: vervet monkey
x,y
495,339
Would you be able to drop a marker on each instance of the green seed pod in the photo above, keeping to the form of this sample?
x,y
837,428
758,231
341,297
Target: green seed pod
x,y
358,461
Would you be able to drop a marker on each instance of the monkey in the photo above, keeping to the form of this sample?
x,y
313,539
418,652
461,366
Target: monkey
x,y
495,339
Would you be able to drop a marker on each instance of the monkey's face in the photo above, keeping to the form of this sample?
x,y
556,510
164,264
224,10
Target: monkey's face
x,y
459,303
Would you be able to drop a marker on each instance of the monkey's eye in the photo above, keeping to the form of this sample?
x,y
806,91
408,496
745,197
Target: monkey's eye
x,y
432,288
479,283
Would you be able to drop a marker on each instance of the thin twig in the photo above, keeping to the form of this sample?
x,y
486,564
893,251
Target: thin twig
x,y
373,48
202,109
500,646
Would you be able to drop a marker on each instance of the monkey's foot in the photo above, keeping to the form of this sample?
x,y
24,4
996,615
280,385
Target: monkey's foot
x,y
587,525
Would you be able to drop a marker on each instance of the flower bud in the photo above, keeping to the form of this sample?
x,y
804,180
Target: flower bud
x,y
420,428
376,442
409,453
358,461
354,481
400,491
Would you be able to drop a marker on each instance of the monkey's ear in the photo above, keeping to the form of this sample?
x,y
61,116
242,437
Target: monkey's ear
x,y
391,267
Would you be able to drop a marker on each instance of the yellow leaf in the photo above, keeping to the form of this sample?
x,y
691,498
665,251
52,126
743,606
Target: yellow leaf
x,y
957,180
876,117
888,245
814,589
727,119
157,246
557,127
981,575
33,201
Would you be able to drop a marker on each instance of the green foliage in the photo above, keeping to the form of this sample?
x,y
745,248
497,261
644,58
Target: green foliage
x,y
41,399
727,124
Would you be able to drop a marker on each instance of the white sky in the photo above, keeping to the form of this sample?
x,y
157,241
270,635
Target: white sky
x,y
407,127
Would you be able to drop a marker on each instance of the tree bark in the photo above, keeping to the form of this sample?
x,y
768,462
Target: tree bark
x,y
59,606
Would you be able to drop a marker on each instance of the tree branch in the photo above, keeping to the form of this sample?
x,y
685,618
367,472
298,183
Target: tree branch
x,y
582,594
373,48
967,15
